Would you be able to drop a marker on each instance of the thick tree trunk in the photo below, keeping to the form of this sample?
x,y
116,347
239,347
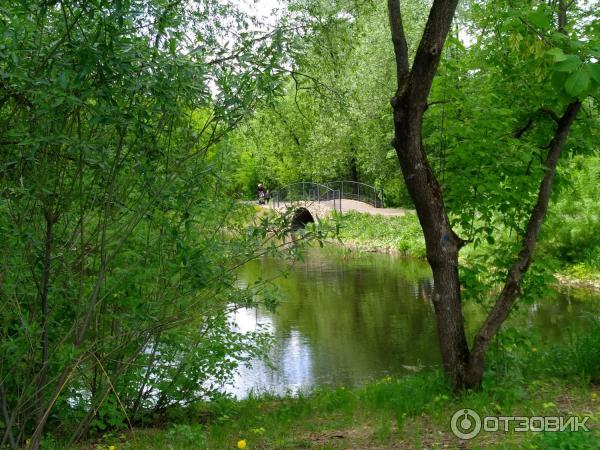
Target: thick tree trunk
x,y
442,243
463,368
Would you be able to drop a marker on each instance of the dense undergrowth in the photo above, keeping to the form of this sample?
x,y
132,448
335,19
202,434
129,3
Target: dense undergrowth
x,y
572,234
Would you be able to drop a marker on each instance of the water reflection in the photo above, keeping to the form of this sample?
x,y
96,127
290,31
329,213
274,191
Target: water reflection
x,y
345,319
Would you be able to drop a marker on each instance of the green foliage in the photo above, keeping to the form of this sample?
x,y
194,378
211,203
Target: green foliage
x,y
572,233
495,117
579,357
517,355
402,234
119,245
332,121
566,441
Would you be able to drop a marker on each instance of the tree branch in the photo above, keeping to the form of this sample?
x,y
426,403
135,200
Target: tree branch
x,y
511,289
551,113
430,50
521,131
399,41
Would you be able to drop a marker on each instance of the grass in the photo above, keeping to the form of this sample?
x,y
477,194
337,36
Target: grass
x,y
401,234
406,413
400,413
582,274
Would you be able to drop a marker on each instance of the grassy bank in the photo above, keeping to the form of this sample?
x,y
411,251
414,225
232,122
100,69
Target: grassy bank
x,y
407,413
382,233
404,413
403,235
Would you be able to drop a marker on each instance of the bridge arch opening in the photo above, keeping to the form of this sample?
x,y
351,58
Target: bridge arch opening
x,y
301,217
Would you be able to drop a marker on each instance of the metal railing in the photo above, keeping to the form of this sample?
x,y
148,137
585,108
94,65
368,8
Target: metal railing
x,y
307,191
354,190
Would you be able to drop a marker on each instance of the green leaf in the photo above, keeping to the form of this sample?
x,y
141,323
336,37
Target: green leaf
x,y
577,83
558,80
557,54
540,20
569,64
594,71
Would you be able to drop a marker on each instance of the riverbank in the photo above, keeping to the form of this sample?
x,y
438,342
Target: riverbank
x,y
384,234
403,235
408,413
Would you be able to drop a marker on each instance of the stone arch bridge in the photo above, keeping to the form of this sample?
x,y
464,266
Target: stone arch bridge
x,y
311,201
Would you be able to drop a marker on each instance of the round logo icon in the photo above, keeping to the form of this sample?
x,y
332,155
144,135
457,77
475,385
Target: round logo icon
x,y
465,424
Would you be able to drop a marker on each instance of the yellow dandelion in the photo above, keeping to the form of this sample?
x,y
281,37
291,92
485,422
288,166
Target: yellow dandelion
x,y
241,443
112,447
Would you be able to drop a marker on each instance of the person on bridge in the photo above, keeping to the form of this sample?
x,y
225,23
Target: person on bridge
x,y
261,193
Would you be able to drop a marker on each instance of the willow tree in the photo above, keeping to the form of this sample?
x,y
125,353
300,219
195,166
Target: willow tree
x,y
574,74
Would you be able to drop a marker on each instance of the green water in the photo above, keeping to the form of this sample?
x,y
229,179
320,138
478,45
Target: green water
x,y
345,318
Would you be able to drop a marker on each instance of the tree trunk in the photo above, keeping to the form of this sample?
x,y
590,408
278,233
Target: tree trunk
x,y
353,168
463,368
442,243
44,318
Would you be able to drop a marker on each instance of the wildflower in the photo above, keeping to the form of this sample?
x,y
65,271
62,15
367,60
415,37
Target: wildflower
x,y
112,447
533,349
241,443
594,396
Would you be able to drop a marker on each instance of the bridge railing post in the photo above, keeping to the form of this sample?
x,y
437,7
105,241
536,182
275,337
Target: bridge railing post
x,y
333,194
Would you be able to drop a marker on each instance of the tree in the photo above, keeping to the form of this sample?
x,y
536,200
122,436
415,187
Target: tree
x,y
464,366
330,122
119,248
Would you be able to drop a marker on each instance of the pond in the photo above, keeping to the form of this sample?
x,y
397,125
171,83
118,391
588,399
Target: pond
x,y
346,317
